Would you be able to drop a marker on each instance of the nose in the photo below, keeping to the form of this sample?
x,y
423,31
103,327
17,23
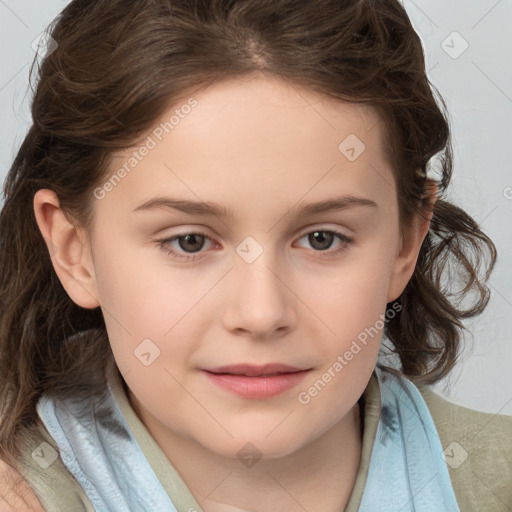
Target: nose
x,y
260,302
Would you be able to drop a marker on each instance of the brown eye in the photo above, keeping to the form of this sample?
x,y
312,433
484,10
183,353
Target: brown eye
x,y
321,240
191,243
186,247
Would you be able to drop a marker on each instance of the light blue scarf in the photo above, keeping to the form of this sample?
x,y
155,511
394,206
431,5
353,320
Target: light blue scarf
x,y
407,471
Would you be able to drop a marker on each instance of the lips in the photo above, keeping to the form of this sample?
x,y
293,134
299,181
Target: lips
x,y
250,370
256,382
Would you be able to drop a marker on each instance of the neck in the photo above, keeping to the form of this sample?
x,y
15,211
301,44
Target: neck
x,y
291,483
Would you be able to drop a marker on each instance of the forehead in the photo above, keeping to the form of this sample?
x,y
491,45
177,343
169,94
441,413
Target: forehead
x,y
257,137
265,108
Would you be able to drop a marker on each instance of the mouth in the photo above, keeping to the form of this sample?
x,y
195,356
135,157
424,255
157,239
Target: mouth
x,y
249,370
249,381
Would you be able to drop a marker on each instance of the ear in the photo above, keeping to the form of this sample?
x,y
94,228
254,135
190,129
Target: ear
x,y
69,250
407,256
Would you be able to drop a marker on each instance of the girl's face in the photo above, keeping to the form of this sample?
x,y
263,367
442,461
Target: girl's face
x,y
293,251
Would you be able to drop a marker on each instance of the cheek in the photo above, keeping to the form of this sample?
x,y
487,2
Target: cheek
x,y
147,309
352,296
139,289
354,312
351,304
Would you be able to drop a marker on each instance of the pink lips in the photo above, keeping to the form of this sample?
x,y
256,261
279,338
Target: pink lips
x,y
252,381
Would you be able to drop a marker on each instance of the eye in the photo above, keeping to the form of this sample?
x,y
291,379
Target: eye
x,y
192,242
321,240
187,246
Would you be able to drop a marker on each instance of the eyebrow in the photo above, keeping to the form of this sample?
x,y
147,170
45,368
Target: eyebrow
x,y
213,209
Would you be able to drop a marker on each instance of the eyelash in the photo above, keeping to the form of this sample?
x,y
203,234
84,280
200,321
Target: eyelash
x,y
164,245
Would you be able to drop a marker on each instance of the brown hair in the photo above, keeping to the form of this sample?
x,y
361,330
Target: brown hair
x,y
118,66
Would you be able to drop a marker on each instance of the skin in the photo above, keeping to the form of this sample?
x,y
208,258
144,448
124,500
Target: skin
x,y
260,147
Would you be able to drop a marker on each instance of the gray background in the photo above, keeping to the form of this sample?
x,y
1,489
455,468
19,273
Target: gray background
x,y
477,87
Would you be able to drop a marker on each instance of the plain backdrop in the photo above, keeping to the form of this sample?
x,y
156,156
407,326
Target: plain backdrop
x,y
468,47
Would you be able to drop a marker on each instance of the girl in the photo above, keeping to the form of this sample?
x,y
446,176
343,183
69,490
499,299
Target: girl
x,y
223,213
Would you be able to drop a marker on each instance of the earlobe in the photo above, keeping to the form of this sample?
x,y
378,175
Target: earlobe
x,y
405,262
69,251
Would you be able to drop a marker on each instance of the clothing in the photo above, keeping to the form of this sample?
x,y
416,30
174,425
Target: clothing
x,y
481,481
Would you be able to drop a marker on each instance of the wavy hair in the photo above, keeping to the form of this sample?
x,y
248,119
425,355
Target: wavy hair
x,y
118,66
